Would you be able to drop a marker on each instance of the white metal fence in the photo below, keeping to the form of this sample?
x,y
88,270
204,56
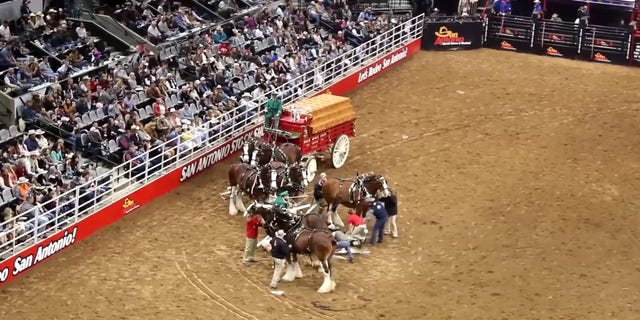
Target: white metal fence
x,y
28,228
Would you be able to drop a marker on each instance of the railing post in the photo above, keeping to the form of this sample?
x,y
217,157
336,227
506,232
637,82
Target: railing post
x,y
36,223
76,205
146,168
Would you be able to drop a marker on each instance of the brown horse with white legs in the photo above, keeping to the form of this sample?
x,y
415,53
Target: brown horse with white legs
x,y
258,184
259,152
304,239
351,193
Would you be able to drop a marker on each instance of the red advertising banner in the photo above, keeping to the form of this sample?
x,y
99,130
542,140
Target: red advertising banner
x,y
20,263
374,69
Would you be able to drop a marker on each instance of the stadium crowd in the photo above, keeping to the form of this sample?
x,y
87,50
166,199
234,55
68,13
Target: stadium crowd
x,y
23,68
122,111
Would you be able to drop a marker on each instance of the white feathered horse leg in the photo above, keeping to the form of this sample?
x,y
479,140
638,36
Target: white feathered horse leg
x,y
232,201
239,203
297,269
290,275
328,284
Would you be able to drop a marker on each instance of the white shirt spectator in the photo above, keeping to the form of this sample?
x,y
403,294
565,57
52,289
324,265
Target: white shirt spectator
x,y
164,28
153,31
147,13
43,142
279,13
5,32
7,81
82,32
258,34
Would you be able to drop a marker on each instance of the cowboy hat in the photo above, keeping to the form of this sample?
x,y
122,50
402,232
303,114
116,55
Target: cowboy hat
x,y
23,180
39,132
280,233
323,175
35,153
369,199
246,95
134,127
30,132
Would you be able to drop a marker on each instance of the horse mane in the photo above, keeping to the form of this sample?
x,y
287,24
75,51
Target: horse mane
x,y
369,176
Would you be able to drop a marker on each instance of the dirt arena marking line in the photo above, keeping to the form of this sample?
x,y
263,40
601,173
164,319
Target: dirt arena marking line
x,y
287,301
468,124
210,293
213,299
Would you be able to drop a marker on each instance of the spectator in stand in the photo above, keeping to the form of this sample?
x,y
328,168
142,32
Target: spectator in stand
x,y
56,154
5,31
537,12
22,189
9,176
555,17
46,70
77,60
30,142
34,214
366,15
502,7
7,60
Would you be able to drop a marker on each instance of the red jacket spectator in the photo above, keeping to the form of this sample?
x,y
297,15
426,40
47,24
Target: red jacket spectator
x,y
159,108
224,48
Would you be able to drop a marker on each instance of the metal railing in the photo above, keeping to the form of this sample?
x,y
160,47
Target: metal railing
x,y
113,185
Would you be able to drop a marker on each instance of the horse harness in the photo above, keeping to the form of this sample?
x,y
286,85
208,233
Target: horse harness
x,y
274,149
296,231
356,189
245,180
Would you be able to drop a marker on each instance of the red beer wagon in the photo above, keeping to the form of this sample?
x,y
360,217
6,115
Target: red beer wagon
x,y
321,127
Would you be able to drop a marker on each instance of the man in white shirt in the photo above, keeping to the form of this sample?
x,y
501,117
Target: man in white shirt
x,y
5,31
45,68
154,32
248,105
81,31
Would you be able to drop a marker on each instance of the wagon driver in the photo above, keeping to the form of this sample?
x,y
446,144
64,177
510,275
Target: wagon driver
x,y
274,110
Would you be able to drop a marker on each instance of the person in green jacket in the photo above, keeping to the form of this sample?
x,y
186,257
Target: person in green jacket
x,y
281,200
274,110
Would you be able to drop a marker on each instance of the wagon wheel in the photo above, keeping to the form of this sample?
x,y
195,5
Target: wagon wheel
x,y
340,151
312,167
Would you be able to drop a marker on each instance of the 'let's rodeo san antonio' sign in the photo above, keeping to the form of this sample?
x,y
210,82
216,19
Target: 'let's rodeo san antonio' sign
x,y
452,36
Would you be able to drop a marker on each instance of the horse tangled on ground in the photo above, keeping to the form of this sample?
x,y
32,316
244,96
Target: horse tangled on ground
x,y
307,235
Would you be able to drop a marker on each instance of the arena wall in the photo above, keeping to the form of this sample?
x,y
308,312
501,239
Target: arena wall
x,y
31,256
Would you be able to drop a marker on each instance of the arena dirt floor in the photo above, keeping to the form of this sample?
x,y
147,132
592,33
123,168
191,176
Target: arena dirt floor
x,y
518,182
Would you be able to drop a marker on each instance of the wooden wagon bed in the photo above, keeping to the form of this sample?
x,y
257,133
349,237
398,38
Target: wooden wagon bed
x,y
326,111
